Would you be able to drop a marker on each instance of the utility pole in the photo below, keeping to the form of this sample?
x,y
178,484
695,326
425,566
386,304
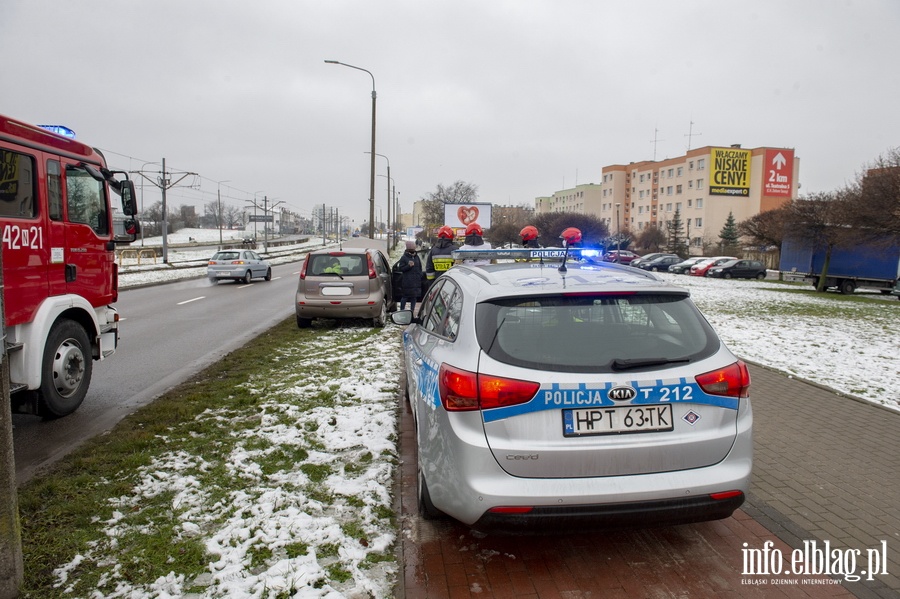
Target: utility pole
x,y
12,570
164,183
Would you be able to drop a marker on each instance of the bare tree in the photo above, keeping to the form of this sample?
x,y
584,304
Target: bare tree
x,y
459,192
651,239
824,220
550,226
878,201
766,228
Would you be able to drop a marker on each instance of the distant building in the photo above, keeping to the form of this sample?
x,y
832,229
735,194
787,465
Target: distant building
x,y
706,184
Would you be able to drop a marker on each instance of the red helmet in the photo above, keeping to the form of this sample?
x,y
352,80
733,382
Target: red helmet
x,y
571,235
446,232
528,233
474,229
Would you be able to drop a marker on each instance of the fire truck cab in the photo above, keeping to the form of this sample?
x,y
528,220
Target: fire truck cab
x,y
59,274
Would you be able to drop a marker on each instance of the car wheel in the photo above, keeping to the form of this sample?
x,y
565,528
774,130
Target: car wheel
x,y
847,287
213,281
303,323
380,320
426,507
269,274
248,276
66,370
761,276
727,275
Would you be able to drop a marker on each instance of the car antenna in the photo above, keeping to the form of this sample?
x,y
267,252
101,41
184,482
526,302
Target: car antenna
x,y
569,236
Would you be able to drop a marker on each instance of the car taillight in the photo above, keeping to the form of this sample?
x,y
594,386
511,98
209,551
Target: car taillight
x,y
462,390
733,381
372,273
303,268
237,261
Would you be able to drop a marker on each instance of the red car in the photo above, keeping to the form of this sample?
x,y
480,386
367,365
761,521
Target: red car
x,y
701,268
620,256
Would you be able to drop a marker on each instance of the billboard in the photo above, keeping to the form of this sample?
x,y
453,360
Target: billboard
x,y
779,177
730,172
461,215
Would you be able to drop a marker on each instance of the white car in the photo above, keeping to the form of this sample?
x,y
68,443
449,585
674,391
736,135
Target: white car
x,y
237,265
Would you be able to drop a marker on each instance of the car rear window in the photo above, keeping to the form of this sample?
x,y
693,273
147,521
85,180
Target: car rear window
x,y
602,333
347,264
226,256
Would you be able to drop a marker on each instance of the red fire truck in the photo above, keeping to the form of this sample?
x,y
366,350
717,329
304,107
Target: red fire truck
x,y
60,275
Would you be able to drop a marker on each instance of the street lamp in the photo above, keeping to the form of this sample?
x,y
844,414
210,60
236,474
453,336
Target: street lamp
x,y
388,195
219,220
372,167
618,232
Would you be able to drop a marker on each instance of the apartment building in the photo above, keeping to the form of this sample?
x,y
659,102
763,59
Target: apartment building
x,y
706,185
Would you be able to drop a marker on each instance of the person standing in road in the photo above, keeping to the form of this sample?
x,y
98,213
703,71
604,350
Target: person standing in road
x,y
439,258
410,267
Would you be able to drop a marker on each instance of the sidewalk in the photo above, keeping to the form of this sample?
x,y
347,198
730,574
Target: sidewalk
x,y
826,469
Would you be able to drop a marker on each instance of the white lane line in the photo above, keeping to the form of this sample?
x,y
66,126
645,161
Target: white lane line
x,y
191,300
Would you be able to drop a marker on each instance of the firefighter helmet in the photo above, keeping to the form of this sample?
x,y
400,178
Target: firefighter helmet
x,y
474,229
446,232
528,233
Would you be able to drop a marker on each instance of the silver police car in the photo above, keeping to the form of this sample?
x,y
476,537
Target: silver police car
x,y
588,394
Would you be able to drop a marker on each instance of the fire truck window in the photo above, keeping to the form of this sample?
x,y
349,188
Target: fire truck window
x,y
54,190
86,200
17,185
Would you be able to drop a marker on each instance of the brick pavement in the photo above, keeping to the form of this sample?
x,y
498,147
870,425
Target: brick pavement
x,y
826,470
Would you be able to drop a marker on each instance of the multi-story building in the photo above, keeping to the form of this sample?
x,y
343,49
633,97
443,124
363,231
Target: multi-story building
x,y
584,199
705,185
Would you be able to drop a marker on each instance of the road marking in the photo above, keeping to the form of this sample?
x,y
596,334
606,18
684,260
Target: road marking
x,y
191,300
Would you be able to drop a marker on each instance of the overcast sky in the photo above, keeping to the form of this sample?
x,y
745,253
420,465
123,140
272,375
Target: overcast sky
x,y
519,97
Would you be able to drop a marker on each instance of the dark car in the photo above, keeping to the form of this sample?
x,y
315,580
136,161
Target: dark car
x,y
647,258
739,269
660,263
684,267
620,256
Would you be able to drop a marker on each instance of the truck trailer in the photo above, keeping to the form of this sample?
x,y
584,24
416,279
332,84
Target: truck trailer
x,y
872,265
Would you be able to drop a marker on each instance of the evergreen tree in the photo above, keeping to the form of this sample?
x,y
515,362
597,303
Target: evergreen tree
x,y
729,237
676,243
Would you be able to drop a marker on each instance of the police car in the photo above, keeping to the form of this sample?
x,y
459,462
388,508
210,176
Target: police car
x,y
549,392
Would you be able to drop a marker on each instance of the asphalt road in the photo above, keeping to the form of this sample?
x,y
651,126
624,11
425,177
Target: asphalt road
x,y
168,333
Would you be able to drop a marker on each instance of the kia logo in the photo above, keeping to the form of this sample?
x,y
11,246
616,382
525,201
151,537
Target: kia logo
x,y
622,393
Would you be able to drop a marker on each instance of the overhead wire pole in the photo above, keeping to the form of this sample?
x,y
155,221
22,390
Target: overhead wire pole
x,y
164,184
388,240
372,164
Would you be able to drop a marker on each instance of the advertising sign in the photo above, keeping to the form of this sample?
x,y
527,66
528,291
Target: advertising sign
x,y
779,178
730,172
462,215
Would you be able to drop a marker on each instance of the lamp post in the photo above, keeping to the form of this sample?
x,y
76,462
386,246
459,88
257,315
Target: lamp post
x,y
618,233
219,219
372,165
388,195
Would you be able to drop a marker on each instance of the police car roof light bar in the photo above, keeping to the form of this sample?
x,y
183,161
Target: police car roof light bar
x,y
543,254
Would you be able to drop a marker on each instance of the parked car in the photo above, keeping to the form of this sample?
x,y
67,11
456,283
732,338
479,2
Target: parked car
x,y
347,283
739,269
518,425
660,263
620,256
646,258
684,267
701,268
237,265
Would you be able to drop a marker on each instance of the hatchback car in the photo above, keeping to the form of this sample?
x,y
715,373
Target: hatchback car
x,y
739,269
620,256
660,263
347,283
646,258
237,265
595,396
684,267
702,267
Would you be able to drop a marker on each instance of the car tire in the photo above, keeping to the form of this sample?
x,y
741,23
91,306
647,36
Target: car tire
x,y
761,276
303,323
213,281
379,321
426,507
847,287
66,369
248,276
727,275
268,276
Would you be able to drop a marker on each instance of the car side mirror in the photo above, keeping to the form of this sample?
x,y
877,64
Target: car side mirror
x,y
403,317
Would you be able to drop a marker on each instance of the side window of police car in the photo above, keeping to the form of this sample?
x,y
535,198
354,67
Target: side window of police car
x,y
443,315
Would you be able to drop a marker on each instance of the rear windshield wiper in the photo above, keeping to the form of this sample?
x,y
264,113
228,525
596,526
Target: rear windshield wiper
x,y
630,363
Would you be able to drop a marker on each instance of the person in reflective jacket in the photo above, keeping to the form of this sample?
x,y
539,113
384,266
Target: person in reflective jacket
x,y
439,258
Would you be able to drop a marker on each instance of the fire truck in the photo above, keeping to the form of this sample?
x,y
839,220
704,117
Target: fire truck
x,y
60,275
